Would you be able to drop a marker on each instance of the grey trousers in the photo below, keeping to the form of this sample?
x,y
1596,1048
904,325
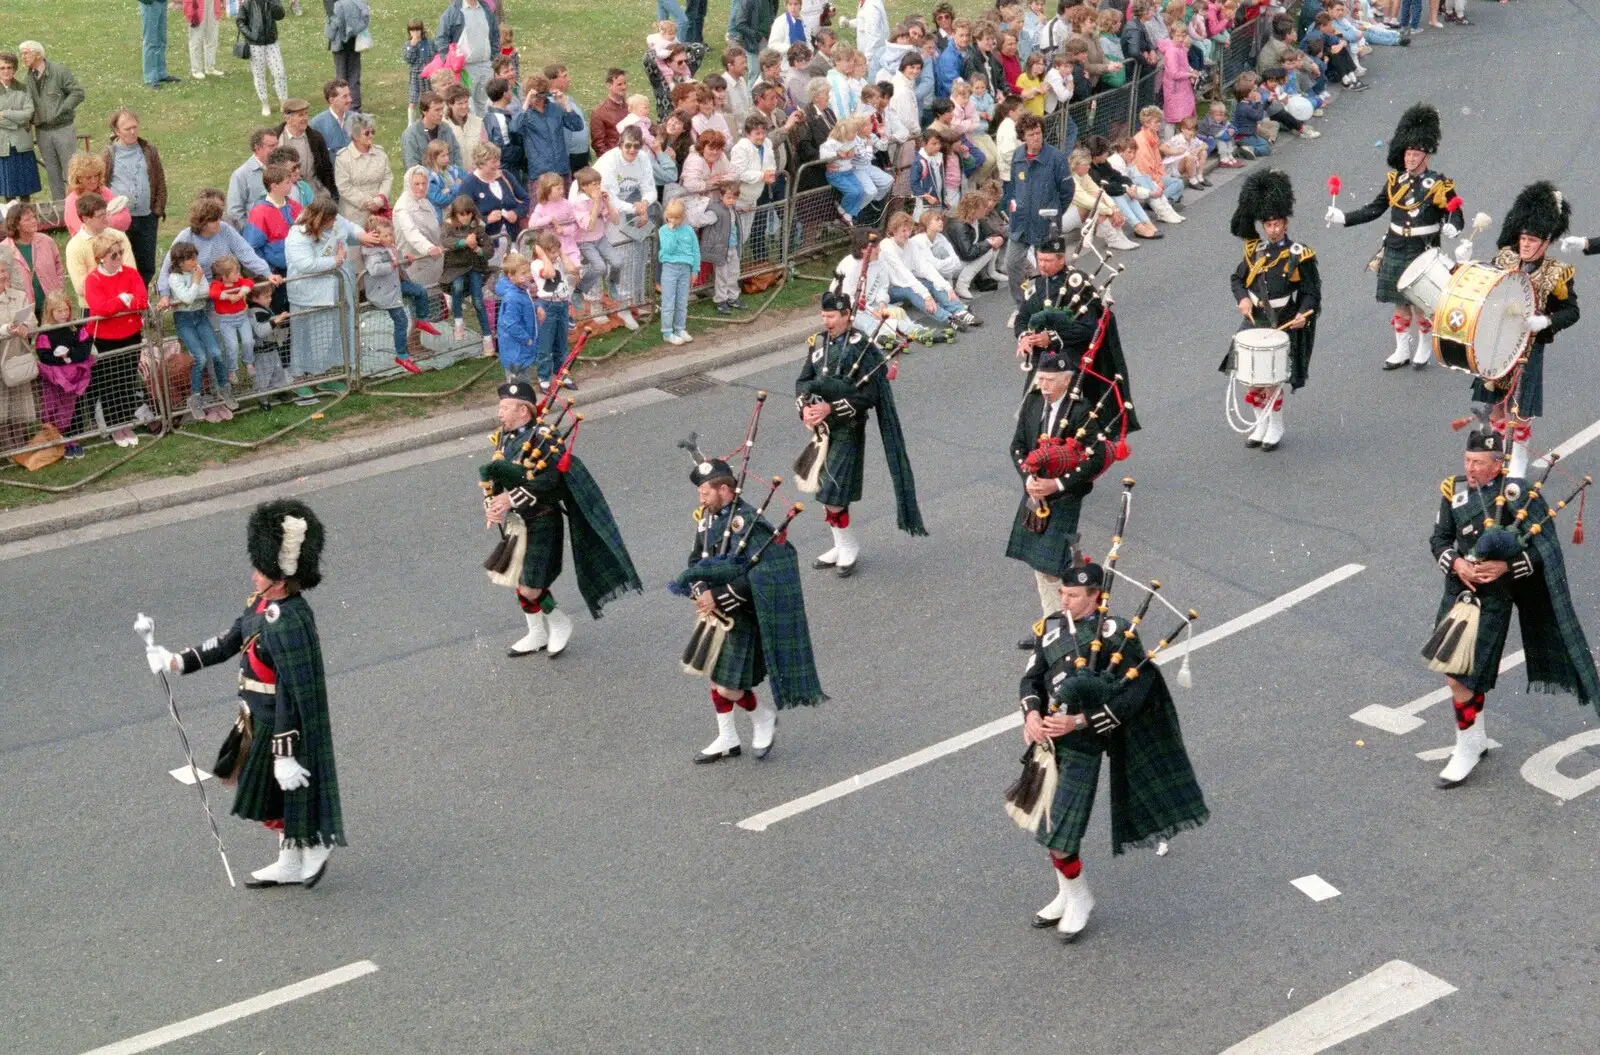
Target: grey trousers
x,y
56,147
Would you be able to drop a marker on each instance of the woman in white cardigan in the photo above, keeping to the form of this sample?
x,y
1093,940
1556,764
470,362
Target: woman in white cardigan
x,y
909,287
416,230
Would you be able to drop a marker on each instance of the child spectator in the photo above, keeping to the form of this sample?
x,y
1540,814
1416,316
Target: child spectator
x,y
930,232
1185,151
838,151
923,259
927,173
1031,84
269,221
1149,162
302,191
387,288
639,117
906,286
983,99
963,120
270,332
508,51
1119,188
1006,140
553,212
719,247
661,44
418,52
551,294
189,319
976,250
1140,187
466,262
444,179
65,364
1093,209
788,28
706,116
228,291
1248,113
518,325
680,261
602,262
1109,31
1177,76
1215,132
1273,89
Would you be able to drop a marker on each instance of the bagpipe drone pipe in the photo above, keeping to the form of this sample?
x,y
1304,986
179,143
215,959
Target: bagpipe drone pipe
x,y
808,465
1096,674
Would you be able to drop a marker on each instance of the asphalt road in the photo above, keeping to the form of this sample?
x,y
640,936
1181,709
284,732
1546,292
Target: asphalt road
x,y
536,867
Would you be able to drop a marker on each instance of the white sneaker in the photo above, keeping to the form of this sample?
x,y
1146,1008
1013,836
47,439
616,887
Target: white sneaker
x,y
198,76
684,337
672,338
266,111
1309,133
626,318
460,330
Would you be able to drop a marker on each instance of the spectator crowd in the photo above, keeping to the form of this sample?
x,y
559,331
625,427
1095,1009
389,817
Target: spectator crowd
x,y
957,137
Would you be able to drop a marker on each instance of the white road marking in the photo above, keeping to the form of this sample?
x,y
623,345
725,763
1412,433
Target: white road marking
x,y
760,822
233,1012
1439,754
1540,770
1315,887
183,776
1403,719
1581,439
1395,989
770,361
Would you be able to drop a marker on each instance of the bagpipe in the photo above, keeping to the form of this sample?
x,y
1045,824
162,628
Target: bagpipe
x,y
1096,673
550,445
1509,529
1082,288
728,559
813,457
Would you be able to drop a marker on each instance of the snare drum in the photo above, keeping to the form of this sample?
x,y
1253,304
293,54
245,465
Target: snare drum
x,y
1425,281
1261,357
1481,323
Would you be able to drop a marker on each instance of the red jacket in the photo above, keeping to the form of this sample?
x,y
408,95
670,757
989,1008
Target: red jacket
x,y
103,294
192,10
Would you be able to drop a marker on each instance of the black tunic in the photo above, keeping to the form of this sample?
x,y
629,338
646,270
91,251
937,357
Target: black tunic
x,y
1068,305
1416,207
1282,281
1050,551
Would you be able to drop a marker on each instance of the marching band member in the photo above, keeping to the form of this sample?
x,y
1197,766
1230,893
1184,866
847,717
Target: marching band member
x,y
531,484
1538,217
744,569
1044,534
287,780
1421,205
1086,709
1276,286
1489,569
860,277
830,390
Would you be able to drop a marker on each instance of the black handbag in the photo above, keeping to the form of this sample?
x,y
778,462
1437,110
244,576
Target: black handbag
x,y
241,46
235,747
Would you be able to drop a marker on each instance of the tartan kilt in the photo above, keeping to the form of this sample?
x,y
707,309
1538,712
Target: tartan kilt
x,y
741,664
1049,551
1530,386
311,816
541,564
1392,263
1494,624
1077,774
840,482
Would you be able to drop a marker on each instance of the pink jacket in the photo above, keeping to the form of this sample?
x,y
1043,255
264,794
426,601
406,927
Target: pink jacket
x,y
963,118
192,11
558,215
122,219
1216,21
1177,91
46,262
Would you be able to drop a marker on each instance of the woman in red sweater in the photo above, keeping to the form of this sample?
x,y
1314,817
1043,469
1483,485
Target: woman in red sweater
x,y
116,297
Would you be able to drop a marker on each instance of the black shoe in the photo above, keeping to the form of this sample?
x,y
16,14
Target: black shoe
x,y
1252,443
706,760
844,571
316,877
1026,644
1040,922
159,85
1390,365
170,79
985,285
758,753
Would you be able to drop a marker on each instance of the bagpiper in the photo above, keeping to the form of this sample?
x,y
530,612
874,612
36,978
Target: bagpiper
x,y
286,778
1421,205
751,613
843,378
1277,287
530,485
1494,539
1090,689
1538,217
1059,447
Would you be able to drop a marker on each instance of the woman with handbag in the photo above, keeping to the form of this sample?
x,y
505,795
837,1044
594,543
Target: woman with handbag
x,y
258,41
348,36
18,366
116,297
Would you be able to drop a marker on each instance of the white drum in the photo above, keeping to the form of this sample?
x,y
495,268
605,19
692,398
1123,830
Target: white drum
x,y
1261,357
1427,278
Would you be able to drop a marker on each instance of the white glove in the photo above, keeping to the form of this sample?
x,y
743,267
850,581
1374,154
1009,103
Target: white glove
x,y
160,659
1463,252
1573,243
1538,322
291,775
1335,215
1450,230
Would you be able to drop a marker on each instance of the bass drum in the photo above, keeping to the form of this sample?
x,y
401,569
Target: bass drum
x,y
1261,357
1481,323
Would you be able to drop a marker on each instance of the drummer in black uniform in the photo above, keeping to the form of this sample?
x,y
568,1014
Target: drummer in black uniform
x,y
1421,205
1277,287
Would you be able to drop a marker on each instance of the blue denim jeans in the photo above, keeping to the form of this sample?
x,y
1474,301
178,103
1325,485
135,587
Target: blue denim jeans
x,y
153,27
1410,14
849,188
200,340
1256,143
666,9
1131,210
675,279
417,294
471,284
238,340
944,304
551,349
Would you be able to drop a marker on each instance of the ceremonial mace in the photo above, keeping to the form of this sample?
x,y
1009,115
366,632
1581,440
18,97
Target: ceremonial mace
x,y
145,627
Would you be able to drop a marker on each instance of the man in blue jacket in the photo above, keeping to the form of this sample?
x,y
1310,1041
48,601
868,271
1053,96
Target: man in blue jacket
x,y
472,26
947,67
546,118
1040,180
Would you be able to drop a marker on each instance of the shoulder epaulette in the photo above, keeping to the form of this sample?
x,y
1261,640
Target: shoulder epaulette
x,y
1027,288
1565,273
1302,252
1038,628
811,342
1448,487
1250,245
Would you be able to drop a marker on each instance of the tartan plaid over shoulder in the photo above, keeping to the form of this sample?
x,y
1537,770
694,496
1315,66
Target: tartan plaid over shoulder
x,y
600,559
781,616
1154,793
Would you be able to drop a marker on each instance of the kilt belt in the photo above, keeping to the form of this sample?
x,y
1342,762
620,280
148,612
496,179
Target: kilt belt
x,y
251,685
1408,231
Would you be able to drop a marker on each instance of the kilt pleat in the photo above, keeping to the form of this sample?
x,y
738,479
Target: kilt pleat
x,y
844,471
541,566
1049,551
312,815
741,664
1077,772
1494,625
1391,265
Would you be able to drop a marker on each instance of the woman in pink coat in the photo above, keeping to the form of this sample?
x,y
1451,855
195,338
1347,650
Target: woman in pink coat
x,y
1177,78
33,258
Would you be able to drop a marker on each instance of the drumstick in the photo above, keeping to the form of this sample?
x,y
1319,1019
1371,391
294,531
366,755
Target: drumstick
x,y
1303,315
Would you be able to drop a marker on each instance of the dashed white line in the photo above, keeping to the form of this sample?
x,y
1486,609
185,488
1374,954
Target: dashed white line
x,y
760,822
233,1012
1395,989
